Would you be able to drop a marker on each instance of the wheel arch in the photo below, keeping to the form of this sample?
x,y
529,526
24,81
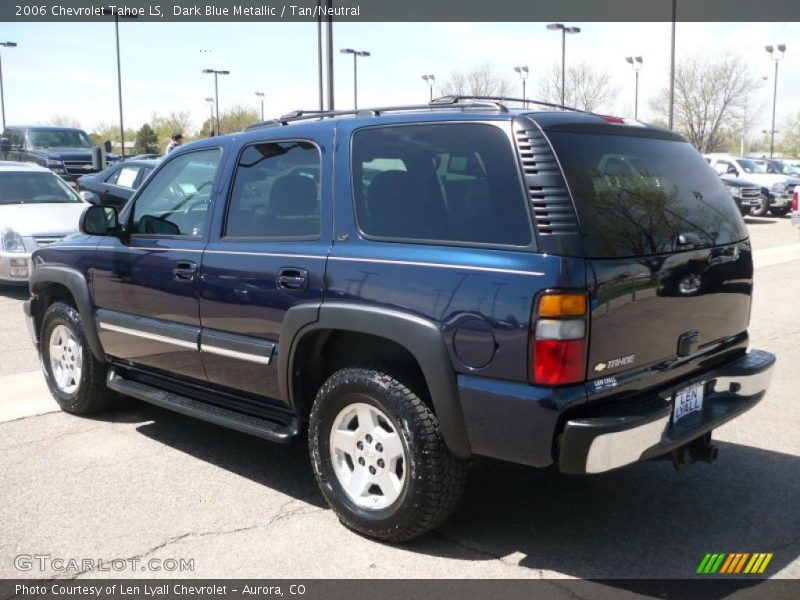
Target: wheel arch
x,y
402,332
48,282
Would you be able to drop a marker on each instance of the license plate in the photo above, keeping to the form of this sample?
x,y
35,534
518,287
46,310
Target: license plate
x,y
687,401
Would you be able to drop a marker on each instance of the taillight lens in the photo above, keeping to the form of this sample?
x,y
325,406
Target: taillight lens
x,y
558,339
795,202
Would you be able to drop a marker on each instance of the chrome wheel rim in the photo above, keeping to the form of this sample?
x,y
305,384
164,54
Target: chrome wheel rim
x,y
368,456
66,359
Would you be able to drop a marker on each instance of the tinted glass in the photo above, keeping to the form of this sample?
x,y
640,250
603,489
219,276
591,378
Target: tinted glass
x,y
59,138
455,182
635,196
32,188
176,200
276,192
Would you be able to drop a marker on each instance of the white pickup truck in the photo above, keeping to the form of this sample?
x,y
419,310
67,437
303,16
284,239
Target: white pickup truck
x,y
776,189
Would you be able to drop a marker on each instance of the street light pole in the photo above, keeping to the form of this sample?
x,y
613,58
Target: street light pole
x,y
261,96
211,114
564,31
775,56
430,80
636,63
356,54
522,71
672,65
111,11
216,73
2,91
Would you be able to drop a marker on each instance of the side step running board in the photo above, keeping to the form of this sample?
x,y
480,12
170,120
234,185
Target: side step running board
x,y
268,430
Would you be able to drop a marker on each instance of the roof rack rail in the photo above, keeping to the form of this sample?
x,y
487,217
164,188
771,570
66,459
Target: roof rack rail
x,y
303,115
455,99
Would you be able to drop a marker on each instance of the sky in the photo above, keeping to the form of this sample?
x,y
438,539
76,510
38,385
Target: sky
x,y
70,68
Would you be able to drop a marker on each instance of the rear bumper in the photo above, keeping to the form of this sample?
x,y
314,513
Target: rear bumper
x,y
601,443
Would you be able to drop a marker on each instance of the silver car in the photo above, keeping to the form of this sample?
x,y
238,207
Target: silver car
x,y
37,208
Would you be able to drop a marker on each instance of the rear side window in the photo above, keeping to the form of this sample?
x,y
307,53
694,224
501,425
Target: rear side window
x,y
276,192
635,196
455,182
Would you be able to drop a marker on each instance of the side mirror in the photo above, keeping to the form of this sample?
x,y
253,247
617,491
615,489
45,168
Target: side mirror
x,y
100,220
5,145
107,145
89,197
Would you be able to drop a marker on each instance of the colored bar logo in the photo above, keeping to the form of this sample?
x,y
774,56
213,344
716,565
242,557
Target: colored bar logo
x,y
734,563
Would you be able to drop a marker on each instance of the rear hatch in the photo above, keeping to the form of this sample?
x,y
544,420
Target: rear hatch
x,y
670,266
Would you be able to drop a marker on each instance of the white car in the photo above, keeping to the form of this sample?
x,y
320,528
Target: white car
x,y
37,208
776,189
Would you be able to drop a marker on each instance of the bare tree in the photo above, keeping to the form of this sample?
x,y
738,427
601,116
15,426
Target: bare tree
x,y
790,136
60,120
710,97
587,87
479,81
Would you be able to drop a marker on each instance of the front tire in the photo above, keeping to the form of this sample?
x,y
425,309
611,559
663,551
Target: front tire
x,y
76,379
379,457
780,211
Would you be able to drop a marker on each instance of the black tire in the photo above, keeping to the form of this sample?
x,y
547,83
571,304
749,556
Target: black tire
x,y
91,394
780,211
434,478
762,209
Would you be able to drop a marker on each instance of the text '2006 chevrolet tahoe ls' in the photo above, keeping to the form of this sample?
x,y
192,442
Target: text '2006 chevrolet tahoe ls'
x,y
413,287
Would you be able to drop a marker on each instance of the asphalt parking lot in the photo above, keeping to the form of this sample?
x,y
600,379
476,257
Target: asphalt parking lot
x,y
144,483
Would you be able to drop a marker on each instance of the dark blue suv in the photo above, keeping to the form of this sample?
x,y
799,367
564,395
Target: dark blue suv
x,y
415,286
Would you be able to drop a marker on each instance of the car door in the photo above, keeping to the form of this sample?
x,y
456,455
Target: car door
x,y
267,254
146,282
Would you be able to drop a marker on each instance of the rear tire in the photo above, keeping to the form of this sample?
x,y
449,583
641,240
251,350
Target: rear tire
x,y
75,377
762,209
379,457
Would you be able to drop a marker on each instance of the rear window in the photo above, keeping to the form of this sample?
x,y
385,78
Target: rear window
x,y
635,196
454,182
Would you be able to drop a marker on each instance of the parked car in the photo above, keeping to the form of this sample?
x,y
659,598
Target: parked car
x,y
64,150
475,281
776,189
746,194
37,208
115,185
145,157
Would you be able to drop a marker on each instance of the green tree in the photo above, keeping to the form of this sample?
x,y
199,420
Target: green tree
x,y
146,140
171,122
235,118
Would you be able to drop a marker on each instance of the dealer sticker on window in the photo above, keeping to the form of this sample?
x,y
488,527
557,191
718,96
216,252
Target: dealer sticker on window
x,y
687,401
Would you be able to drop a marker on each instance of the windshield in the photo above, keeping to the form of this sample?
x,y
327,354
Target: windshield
x,y
635,196
59,138
34,188
752,166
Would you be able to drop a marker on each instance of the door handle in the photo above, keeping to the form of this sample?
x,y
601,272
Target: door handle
x,y
292,279
185,270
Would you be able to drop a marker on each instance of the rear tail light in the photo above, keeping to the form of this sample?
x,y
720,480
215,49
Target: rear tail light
x,y
796,201
558,339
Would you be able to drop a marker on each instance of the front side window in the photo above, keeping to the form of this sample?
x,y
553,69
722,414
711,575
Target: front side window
x,y
454,182
176,200
34,188
276,192
126,177
59,138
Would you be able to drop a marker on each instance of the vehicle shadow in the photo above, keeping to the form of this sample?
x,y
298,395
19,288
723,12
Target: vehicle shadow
x,y
644,521
759,221
14,292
